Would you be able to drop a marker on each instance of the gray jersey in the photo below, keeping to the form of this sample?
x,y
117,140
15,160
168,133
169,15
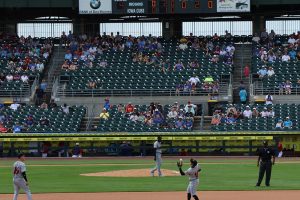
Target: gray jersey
x,y
18,168
157,146
192,173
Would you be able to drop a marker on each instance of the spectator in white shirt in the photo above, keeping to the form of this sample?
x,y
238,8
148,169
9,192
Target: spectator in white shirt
x,y
269,99
183,46
264,113
40,66
194,80
24,78
291,40
14,106
270,72
65,109
255,38
134,117
285,57
9,77
193,107
247,113
271,113
173,113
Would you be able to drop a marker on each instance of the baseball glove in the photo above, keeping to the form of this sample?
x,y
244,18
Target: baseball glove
x,y
179,164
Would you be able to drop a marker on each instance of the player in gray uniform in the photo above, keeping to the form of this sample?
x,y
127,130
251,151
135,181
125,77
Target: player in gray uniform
x,y
192,173
20,179
157,157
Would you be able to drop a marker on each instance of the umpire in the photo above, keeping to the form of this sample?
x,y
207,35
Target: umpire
x,y
265,155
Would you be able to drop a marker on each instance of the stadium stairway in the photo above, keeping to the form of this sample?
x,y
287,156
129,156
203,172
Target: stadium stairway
x,y
242,57
54,69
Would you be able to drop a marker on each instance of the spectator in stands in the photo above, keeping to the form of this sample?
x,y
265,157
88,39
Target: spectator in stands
x,y
120,108
148,120
264,36
255,38
68,55
194,64
3,129
293,53
187,88
129,108
255,113
288,87
103,63
262,72
92,84
14,106
285,57
194,80
216,119
9,78
40,66
178,66
44,85
279,125
270,72
24,78
179,124
281,87
189,123
65,108
269,99
17,128
157,117
291,40
173,113
264,113
2,78
246,71
190,105
215,59
134,117
183,46
243,96
230,119
227,34
52,104
44,121
106,104
190,111
271,113
298,55
44,105
288,124
29,121
104,114
247,113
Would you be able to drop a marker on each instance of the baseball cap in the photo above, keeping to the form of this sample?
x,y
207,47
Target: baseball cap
x,y
20,155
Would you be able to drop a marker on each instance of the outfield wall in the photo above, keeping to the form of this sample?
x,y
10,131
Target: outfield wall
x,y
202,143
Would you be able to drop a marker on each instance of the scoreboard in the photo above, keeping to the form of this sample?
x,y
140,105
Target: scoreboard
x,y
163,6
136,7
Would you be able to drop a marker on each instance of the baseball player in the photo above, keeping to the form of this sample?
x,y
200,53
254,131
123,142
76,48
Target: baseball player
x,y
157,156
20,179
192,173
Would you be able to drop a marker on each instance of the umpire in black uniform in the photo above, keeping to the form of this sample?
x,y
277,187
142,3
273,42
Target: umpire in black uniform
x,y
266,158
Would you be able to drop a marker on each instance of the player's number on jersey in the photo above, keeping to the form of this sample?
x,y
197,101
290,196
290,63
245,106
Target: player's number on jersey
x,y
17,170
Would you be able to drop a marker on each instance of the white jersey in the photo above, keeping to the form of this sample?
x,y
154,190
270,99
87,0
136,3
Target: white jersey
x,y
18,168
192,173
157,146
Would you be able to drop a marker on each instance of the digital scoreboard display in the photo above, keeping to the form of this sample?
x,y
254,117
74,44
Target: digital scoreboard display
x,y
136,7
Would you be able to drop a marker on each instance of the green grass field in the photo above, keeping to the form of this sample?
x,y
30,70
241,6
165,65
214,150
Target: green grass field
x,y
48,176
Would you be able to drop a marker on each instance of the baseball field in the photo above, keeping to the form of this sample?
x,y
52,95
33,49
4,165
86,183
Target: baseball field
x,y
129,178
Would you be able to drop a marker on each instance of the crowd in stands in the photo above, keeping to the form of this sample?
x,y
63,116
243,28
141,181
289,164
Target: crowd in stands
x,y
88,52
276,57
18,118
155,115
22,58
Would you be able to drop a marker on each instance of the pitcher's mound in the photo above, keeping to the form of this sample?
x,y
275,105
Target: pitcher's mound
x,y
132,173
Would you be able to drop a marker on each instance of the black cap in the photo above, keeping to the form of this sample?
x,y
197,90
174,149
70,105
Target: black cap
x,y
20,155
194,162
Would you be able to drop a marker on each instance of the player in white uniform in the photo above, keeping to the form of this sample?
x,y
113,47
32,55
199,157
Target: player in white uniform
x,y
20,179
192,173
157,157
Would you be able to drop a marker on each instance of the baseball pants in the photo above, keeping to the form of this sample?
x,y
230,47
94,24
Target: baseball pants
x,y
19,183
158,164
192,187
265,167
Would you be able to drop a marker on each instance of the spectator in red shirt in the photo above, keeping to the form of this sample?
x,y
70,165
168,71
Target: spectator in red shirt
x,y
129,108
280,148
3,129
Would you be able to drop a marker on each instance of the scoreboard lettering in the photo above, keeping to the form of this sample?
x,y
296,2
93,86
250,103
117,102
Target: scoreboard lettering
x,y
136,7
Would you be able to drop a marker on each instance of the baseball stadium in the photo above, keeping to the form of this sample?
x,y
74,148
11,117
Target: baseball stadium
x,y
149,99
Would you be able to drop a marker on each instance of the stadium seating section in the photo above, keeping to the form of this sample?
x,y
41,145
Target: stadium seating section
x,y
262,124
122,73
58,120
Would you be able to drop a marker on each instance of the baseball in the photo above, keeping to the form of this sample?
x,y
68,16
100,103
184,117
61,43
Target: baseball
x,y
181,161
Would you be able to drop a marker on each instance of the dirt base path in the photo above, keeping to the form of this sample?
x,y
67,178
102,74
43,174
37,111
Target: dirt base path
x,y
207,195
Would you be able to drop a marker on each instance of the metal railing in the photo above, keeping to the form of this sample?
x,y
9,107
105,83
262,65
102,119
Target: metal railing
x,y
55,87
23,91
